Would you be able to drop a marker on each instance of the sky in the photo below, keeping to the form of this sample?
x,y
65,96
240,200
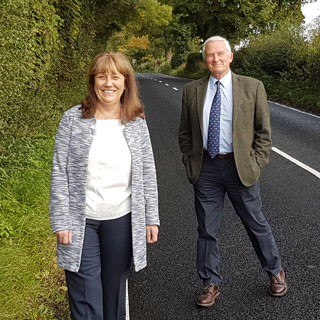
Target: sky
x,y
311,10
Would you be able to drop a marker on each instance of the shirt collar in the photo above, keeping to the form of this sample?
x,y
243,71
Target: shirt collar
x,y
225,81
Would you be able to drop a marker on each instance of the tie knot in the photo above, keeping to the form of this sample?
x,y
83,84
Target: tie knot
x,y
218,83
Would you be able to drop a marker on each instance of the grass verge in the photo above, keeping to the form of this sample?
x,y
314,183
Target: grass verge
x,y
31,287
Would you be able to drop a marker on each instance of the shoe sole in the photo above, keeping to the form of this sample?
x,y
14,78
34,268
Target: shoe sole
x,y
207,305
277,294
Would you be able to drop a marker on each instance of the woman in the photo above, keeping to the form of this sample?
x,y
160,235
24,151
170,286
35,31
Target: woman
x,y
103,198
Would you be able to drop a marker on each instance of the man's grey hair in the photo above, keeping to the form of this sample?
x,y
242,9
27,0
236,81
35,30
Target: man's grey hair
x,y
215,38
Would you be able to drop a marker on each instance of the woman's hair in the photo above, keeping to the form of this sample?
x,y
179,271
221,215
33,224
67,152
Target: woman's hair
x,y
114,62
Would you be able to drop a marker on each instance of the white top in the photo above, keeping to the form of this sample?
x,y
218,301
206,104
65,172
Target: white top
x,y
108,193
226,144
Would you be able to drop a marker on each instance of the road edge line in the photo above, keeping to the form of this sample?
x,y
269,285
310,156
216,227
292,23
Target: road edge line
x,y
297,162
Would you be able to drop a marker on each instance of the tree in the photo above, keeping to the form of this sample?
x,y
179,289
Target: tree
x,y
235,19
143,31
76,38
179,39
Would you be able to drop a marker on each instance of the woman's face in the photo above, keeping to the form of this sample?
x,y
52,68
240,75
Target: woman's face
x,y
109,87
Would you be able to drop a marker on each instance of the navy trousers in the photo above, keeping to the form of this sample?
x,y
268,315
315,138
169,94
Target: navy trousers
x,y
218,177
98,290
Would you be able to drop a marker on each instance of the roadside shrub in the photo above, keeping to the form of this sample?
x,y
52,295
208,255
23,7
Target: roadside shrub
x,y
29,42
177,60
194,61
314,57
44,45
288,63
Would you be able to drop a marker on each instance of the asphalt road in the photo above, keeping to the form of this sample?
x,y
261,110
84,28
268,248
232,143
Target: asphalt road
x,y
169,286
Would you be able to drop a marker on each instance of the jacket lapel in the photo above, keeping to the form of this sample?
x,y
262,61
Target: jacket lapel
x,y
130,132
236,91
201,95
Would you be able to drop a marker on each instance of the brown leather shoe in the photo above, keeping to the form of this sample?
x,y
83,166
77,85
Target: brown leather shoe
x,y
208,296
278,286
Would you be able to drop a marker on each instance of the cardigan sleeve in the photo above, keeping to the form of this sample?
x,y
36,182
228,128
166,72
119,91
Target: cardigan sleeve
x,y
149,180
59,190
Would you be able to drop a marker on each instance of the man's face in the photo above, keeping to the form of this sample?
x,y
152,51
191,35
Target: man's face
x,y
218,58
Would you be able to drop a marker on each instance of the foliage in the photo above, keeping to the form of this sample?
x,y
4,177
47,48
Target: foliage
x,y
111,16
30,278
314,54
77,38
29,42
194,61
151,18
181,38
235,19
31,285
138,42
29,35
140,36
177,60
288,64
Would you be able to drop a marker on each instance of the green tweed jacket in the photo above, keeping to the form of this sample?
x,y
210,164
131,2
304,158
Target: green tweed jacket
x,y
251,127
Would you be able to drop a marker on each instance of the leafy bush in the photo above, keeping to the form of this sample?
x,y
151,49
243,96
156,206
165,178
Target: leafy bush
x,y
177,60
288,64
29,42
194,61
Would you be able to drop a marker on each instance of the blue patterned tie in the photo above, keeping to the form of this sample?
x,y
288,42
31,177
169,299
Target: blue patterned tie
x,y
214,124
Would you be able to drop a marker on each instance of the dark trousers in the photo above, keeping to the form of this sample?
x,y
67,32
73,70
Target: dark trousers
x,y
98,290
218,177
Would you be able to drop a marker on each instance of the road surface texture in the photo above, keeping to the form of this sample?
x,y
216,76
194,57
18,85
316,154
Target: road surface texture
x,y
168,288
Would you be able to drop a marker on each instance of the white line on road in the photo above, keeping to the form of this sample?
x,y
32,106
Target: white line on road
x,y
282,105
127,302
166,84
297,162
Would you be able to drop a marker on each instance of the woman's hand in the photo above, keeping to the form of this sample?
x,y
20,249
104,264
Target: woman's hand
x,y
64,236
152,234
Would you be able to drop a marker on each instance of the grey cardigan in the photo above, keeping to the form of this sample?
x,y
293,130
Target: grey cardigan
x,y
69,183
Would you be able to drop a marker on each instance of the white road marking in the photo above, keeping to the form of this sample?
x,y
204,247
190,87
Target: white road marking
x,y
282,105
297,162
127,302
160,81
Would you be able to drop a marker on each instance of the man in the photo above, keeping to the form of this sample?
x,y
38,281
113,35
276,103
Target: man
x,y
225,139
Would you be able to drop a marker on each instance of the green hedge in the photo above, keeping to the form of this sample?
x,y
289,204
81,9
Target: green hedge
x,y
288,63
29,42
43,45
194,61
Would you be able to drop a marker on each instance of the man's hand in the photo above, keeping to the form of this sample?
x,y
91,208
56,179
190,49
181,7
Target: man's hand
x,y
152,234
64,236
